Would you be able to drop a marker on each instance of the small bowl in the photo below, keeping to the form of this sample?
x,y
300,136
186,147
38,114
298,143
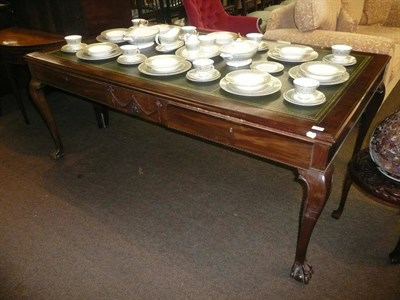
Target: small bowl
x,y
164,63
99,49
247,80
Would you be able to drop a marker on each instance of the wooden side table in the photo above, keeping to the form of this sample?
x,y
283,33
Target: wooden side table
x,y
363,171
14,44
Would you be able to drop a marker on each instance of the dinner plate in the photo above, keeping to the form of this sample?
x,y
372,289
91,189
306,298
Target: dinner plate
x,y
186,65
348,61
169,48
295,72
68,49
83,55
129,60
275,55
318,98
183,52
267,66
214,75
274,87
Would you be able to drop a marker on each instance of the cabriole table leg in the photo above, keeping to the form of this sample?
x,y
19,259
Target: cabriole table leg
x,y
36,91
318,187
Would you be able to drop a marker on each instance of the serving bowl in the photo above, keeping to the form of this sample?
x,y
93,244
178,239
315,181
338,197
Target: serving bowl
x,y
322,71
164,63
141,35
238,51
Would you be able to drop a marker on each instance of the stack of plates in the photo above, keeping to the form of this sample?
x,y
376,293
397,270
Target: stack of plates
x,y
325,72
250,83
293,53
115,35
99,51
162,65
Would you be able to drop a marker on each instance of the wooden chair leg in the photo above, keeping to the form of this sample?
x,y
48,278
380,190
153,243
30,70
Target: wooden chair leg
x,y
345,191
395,254
16,92
101,113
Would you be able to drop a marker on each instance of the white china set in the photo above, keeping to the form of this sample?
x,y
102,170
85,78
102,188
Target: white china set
x,y
192,49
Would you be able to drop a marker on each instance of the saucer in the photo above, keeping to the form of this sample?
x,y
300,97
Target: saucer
x,y
185,66
131,60
67,48
267,66
169,48
239,63
348,61
274,54
317,98
214,75
269,89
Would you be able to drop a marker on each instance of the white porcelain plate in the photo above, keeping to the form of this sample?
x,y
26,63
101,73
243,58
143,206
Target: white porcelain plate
x,y
185,66
83,53
274,54
131,60
68,49
317,99
267,66
274,86
192,76
295,72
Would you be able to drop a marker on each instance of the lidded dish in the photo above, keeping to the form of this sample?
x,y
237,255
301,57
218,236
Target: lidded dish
x,y
239,52
141,35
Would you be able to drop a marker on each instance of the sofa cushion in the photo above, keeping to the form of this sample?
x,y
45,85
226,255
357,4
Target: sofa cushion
x,y
393,19
355,8
375,12
317,14
346,22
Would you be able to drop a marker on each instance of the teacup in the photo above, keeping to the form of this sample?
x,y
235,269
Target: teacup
x,y
203,66
73,41
140,22
305,88
340,52
207,42
255,36
130,51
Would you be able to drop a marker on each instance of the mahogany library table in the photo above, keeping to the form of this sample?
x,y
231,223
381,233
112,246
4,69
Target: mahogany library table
x,y
305,138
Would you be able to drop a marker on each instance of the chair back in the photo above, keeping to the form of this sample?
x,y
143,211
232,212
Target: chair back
x,y
206,14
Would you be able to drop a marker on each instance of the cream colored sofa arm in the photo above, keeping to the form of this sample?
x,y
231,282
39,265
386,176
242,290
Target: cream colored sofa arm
x,y
282,17
324,38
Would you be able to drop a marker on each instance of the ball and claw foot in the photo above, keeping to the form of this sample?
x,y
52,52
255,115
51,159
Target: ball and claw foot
x,y
302,273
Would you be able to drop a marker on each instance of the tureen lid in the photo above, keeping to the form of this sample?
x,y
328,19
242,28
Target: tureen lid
x,y
142,31
239,46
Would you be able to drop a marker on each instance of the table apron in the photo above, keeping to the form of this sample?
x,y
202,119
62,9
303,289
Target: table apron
x,y
235,133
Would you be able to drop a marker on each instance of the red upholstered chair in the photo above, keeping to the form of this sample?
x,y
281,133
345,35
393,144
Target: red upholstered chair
x,y
209,15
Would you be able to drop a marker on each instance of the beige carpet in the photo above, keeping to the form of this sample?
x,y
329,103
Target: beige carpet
x,y
139,212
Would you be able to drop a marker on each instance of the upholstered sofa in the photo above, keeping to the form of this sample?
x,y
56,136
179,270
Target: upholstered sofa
x,y
366,25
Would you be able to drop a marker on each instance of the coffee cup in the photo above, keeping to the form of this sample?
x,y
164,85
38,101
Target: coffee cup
x,y
203,66
305,88
130,50
73,41
340,52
